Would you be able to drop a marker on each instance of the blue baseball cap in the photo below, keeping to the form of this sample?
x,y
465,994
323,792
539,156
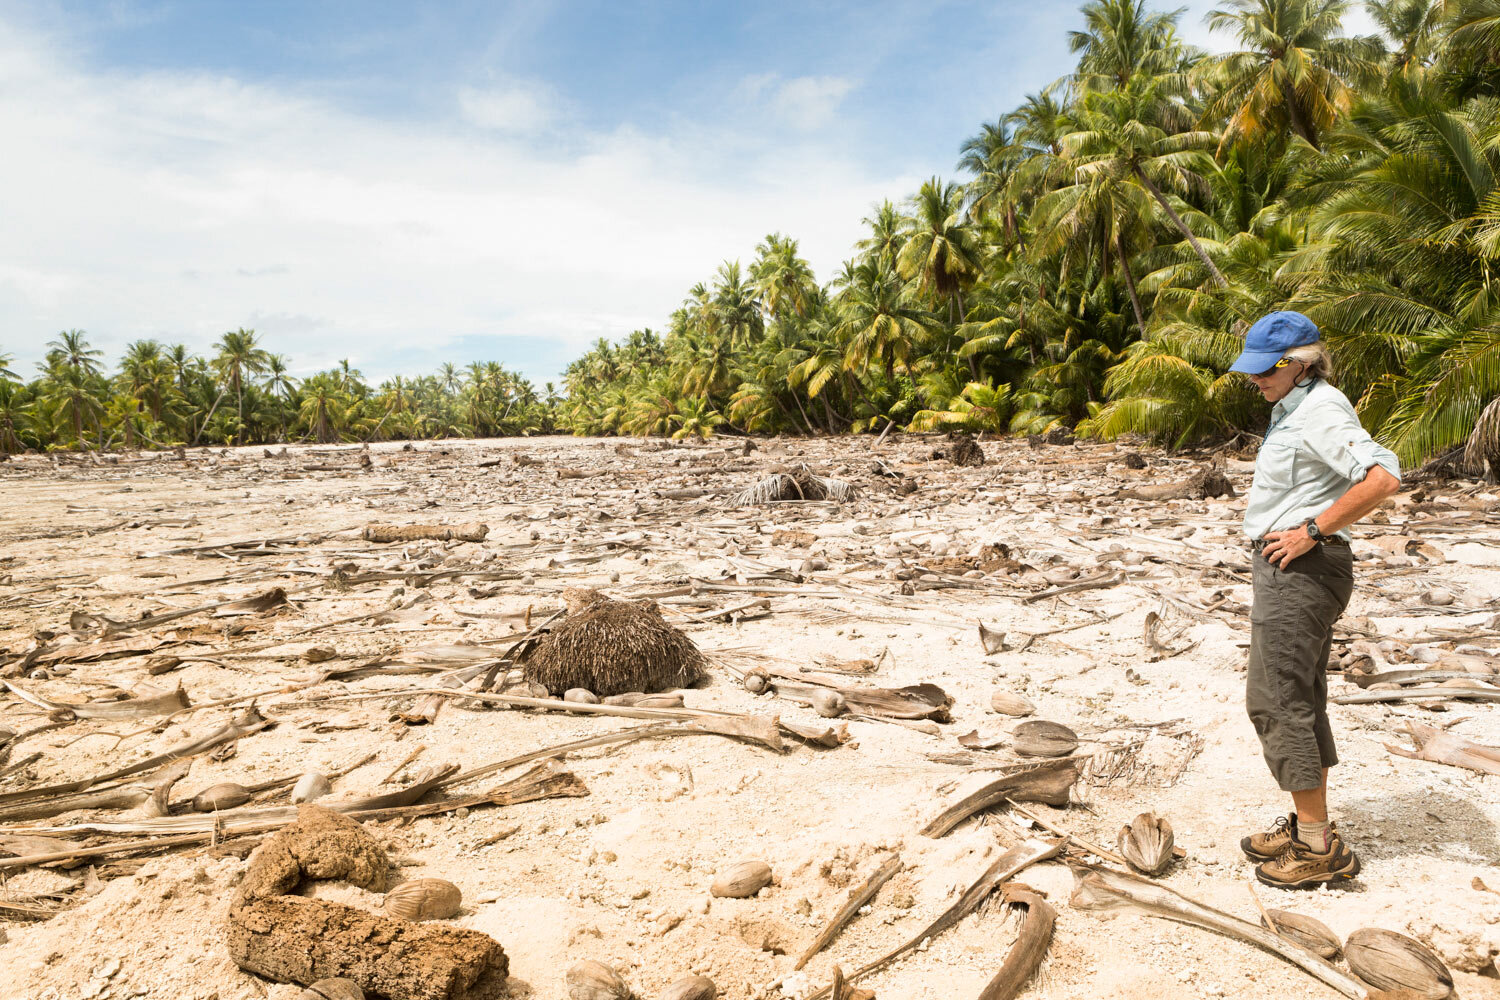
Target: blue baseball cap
x,y
1271,337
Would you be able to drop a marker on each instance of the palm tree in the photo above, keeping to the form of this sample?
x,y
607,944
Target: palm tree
x,y
942,251
877,324
1295,70
15,416
239,357
73,394
1121,39
887,233
6,360
449,378
1117,139
1410,26
782,279
281,385
325,406
733,307
72,349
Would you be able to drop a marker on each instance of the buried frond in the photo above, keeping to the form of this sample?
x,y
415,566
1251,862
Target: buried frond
x,y
799,484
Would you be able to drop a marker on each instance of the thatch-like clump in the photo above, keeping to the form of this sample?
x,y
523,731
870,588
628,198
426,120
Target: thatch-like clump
x,y
613,647
796,484
966,451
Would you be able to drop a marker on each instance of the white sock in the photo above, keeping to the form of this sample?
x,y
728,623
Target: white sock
x,y
1314,835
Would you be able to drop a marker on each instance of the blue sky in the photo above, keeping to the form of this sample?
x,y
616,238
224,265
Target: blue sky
x,y
405,184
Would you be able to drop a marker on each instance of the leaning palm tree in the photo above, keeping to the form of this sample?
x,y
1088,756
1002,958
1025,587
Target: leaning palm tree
x,y
1117,137
1296,71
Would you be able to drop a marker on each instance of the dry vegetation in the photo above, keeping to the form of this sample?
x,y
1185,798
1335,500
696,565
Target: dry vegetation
x,y
912,691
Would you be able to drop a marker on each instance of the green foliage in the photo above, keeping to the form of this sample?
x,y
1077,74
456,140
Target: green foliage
x,y
1115,235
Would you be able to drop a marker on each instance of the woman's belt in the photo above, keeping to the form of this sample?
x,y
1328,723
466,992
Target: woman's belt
x,y
1260,543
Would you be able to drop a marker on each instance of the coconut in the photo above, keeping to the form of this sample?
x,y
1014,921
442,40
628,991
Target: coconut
x,y
423,899
1039,738
1310,932
742,880
1390,961
310,786
613,647
1007,703
1146,843
596,981
224,796
691,988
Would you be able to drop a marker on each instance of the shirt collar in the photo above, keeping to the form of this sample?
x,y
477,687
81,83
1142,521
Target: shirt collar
x,y
1289,403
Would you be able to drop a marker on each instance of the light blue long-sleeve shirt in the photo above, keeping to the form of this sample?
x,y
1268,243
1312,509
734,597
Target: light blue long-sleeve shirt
x,y
1314,451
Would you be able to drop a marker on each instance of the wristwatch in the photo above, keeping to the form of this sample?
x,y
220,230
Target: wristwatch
x,y
1313,531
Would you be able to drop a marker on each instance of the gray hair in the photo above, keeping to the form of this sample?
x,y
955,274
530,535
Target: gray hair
x,y
1315,357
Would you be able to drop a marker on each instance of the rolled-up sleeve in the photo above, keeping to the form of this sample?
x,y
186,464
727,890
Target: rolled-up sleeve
x,y
1334,435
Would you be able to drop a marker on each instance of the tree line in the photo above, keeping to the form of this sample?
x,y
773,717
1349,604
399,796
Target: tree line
x,y
1110,240
1094,266
166,396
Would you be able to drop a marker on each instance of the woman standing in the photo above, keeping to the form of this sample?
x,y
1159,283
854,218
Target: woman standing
x,y
1316,473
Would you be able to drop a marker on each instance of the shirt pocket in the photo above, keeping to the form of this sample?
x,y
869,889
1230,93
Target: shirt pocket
x,y
1275,465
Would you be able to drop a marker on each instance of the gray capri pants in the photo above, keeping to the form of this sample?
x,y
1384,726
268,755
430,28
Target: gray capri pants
x,y
1286,689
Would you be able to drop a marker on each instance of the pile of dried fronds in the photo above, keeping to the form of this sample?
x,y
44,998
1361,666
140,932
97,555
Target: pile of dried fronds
x,y
613,647
796,484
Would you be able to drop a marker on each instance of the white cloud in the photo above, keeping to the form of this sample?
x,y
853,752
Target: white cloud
x,y
803,103
513,108
179,206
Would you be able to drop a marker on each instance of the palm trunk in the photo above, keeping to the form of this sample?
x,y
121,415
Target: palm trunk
x,y
1182,226
211,411
1294,116
1135,300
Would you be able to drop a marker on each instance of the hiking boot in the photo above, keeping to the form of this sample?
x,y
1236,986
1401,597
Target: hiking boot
x,y
1268,846
1302,867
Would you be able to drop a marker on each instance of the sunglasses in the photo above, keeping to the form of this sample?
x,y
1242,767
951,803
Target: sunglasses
x,y
1274,368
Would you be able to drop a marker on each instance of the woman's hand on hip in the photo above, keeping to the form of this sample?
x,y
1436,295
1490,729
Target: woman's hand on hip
x,y
1284,546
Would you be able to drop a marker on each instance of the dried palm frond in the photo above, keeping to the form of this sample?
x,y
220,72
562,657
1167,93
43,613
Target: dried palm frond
x,y
1482,450
613,647
799,484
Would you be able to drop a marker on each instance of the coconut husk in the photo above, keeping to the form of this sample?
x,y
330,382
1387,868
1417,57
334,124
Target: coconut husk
x,y
966,451
793,484
1390,961
613,647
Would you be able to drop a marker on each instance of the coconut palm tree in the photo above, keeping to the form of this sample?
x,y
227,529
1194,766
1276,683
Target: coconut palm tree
x,y
942,251
75,396
325,406
6,360
1295,70
15,416
72,348
1410,29
1117,138
887,233
781,278
240,356
1122,39
878,326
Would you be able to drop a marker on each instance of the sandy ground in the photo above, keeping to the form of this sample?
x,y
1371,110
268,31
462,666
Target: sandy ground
x,y
623,874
